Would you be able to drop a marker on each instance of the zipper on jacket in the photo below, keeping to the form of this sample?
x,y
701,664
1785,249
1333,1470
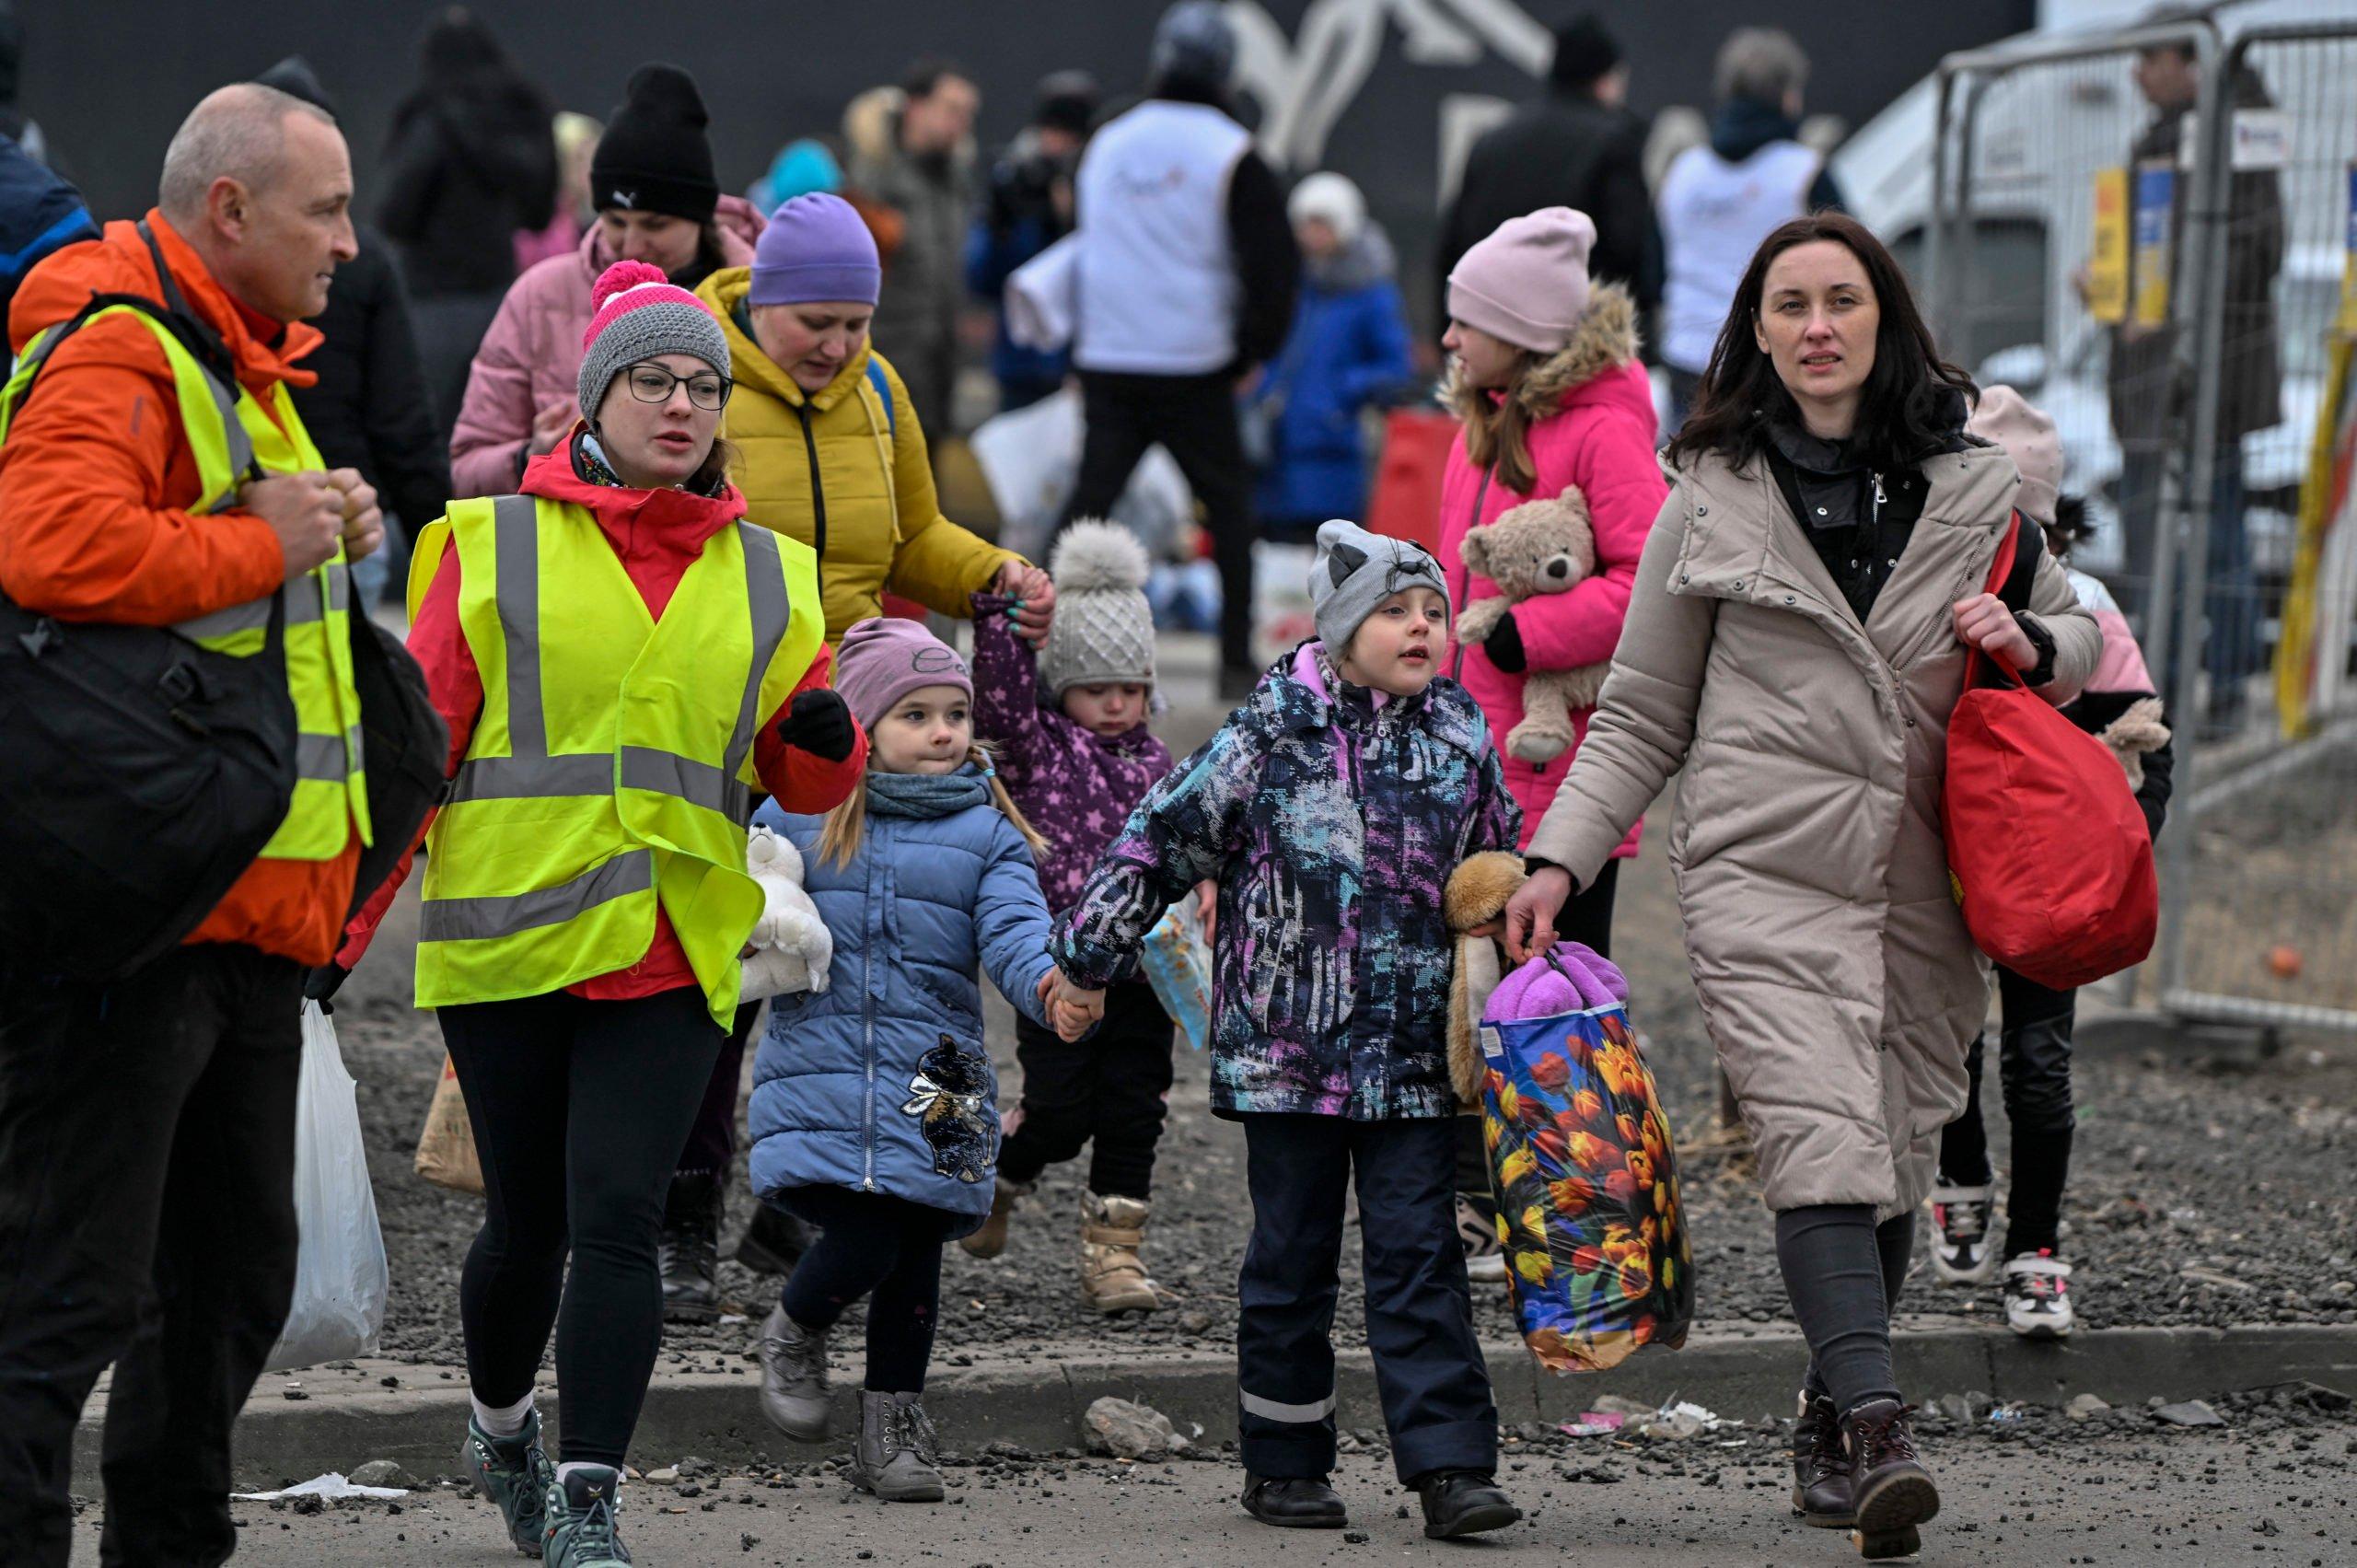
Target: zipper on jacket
x,y
868,1004
818,486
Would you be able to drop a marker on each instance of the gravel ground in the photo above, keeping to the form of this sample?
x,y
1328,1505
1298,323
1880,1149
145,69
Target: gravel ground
x,y
2212,1191
2274,1482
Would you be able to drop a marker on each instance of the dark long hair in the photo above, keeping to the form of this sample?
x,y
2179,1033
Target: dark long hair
x,y
1906,402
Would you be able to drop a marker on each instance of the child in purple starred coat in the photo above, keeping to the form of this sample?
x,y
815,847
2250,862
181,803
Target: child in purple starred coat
x,y
1068,736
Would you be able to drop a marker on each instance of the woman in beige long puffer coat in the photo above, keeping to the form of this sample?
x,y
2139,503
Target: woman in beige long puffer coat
x,y
1794,642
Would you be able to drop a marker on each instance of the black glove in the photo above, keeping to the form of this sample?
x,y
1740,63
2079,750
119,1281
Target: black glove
x,y
820,723
1504,645
322,985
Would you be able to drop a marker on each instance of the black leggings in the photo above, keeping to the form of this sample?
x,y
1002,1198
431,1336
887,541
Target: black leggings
x,y
883,1247
1586,919
580,1110
2034,1059
1113,1087
1843,1273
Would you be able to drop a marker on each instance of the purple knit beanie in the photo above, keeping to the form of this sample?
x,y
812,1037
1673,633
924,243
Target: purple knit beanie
x,y
815,248
1528,282
885,657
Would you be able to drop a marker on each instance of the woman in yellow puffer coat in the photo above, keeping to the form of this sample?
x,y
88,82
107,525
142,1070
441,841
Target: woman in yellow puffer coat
x,y
830,452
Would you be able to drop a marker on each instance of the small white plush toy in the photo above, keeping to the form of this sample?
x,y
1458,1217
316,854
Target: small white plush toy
x,y
792,947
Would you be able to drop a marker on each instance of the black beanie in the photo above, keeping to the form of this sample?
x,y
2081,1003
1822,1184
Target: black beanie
x,y
655,157
1583,51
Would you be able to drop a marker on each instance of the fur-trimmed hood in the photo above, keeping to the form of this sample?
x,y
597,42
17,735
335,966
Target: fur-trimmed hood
x,y
1604,340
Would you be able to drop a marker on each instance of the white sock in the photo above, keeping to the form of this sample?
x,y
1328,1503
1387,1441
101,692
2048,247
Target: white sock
x,y
505,1423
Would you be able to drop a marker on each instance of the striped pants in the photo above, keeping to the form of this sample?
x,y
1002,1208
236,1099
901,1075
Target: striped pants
x,y
1428,1369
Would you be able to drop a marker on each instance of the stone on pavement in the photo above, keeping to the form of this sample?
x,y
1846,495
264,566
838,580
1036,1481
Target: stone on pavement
x,y
1129,1430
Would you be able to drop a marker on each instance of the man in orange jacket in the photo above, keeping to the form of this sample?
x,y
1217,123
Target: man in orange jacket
x,y
148,1126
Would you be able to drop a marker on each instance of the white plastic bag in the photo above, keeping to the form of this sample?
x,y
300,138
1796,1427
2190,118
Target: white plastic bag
x,y
340,1274
1031,458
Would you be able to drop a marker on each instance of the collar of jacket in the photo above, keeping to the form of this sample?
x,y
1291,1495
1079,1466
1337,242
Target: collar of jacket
x,y
1605,339
1741,543
926,795
1293,695
726,292
636,520
1363,262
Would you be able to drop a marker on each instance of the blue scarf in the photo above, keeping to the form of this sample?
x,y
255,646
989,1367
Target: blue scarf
x,y
925,795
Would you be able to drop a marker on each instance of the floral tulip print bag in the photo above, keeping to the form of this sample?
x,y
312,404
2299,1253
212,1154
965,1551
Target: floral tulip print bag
x,y
1581,1160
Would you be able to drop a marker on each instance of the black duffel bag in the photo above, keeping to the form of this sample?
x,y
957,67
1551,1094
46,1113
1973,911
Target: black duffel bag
x,y
139,775
404,745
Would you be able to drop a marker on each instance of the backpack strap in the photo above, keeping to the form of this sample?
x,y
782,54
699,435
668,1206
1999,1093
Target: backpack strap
x,y
877,379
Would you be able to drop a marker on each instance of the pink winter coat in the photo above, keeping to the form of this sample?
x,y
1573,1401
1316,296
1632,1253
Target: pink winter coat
x,y
1593,427
531,355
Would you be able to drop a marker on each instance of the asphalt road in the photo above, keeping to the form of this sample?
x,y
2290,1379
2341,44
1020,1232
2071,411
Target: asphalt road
x,y
2275,1496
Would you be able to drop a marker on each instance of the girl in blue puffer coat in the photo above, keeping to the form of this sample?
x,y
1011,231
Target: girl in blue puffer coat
x,y
875,1110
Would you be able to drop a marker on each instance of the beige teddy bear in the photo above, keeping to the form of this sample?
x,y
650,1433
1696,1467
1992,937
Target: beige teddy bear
x,y
1540,547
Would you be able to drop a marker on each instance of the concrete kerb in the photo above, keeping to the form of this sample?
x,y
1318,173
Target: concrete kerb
x,y
346,1417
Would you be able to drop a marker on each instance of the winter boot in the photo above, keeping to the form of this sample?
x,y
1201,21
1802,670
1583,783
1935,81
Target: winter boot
x,y
897,1451
1464,1502
581,1528
515,1473
991,1240
1821,1466
793,1376
1890,1491
774,1242
689,1249
1112,1275
1293,1502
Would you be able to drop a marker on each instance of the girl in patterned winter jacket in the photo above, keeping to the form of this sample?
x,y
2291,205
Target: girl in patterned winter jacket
x,y
1330,809
1067,730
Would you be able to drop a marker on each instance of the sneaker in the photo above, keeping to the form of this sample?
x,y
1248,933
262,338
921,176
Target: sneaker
x,y
1464,1502
1963,1251
515,1474
2037,1295
897,1457
1890,1491
581,1531
1477,1226
1293,1502
794,1377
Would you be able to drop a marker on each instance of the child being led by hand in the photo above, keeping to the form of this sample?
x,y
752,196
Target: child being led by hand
x,y
1068,730
1330,809
874,1114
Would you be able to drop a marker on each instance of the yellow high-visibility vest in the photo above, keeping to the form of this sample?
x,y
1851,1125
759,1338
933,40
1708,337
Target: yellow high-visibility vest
x,y
232,437
611,769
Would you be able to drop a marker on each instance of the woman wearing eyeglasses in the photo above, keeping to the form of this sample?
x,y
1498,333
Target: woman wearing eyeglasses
x,y
622,659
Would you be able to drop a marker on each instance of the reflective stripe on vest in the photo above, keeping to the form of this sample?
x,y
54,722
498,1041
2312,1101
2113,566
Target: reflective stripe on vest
x,y
597,782
229,435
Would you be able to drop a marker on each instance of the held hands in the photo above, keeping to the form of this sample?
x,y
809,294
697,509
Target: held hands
x,y
1982,621
1034,593
1073,1011
820,724
1530,913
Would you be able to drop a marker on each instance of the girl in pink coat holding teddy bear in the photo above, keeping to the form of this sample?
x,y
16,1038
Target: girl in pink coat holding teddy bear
x,y
1545,505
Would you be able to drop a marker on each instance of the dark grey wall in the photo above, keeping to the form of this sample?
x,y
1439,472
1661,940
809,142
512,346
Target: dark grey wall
x,y
109,79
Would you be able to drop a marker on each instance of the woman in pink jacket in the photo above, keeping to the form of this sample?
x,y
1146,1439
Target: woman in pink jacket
x,y
657,199
1544,377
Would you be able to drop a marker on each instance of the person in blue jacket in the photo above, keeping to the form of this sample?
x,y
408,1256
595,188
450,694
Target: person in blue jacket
x,y
875,1110
1348,348
1028,208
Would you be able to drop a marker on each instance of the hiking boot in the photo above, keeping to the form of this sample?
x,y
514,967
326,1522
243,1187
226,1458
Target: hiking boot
x,y
689,1249
2037,1295
581,1528
515,1474
896,1453
1821,1466
1293,1502
793,1376
1464,1502
991,1240
1112,1275
774,1242
1964,1252
1890,1491
1477,1226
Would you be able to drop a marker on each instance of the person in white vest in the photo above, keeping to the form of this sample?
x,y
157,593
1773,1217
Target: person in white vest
x,y
1187,271
1719,201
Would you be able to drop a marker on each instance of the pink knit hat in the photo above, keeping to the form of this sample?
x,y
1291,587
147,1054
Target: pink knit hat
x,y
639,314
1528,282
2029,436
884,658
